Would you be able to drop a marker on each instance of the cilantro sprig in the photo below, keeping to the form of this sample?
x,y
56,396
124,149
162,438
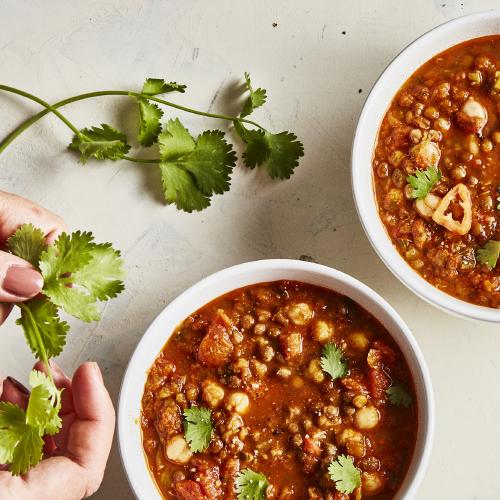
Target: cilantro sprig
x,y
191,170
345,474
398,396
198,428
251,485
423,181
489,254
332,361
77,274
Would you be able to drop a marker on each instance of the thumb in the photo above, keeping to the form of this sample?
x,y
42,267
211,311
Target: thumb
x,y
19,280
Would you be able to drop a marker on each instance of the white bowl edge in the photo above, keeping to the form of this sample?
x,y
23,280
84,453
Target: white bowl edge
x,y
129,433
385,88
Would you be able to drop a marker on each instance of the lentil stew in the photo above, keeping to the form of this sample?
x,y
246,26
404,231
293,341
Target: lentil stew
x,y
286,379
436,169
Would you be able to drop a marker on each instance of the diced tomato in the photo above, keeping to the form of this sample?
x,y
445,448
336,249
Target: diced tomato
x,y
215,348
188,490
379,382
207,475
291,345
311,446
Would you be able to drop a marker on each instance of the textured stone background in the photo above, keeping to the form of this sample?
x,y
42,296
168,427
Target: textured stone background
x,y
313,73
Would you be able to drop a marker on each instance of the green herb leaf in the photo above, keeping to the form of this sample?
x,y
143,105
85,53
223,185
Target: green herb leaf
x,y
44,404
51,329
78,272
150,125
251,485
20,444
489,254
28,243
398,396
102,143
157,86
21,432
332,363
256,99
346,476
278,153
198,428
192,171
423,181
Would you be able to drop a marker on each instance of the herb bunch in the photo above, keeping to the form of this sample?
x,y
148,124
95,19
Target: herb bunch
x,y
78,273
191,170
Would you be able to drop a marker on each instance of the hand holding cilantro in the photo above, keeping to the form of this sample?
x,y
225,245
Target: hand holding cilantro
x,y
70,275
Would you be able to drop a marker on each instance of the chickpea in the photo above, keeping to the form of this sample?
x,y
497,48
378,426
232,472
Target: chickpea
x,y
358,341
354,441
314,371
442,124
177,450
383,169
297,382
284,372
323,331
212,393
458,172
415,135
247,321
471,144
359,400
372,483
238,402
367,417
300,314
431,112
259,329
486,146
496,137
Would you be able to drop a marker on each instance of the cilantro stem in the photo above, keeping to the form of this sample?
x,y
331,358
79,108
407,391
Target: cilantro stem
x,y
53,109
43,352
43,103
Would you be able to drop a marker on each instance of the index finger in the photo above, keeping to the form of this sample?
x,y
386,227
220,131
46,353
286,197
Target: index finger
x,y
16,211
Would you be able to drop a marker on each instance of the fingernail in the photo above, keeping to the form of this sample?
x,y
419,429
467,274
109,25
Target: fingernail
x,y
97,370
23,282
20,387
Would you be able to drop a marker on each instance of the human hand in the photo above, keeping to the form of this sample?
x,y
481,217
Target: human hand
x,y
19,281
75,458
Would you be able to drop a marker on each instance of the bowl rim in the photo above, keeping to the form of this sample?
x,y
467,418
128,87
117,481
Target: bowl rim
x,y
309,273
366,206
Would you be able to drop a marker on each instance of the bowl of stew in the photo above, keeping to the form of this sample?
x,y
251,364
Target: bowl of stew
x,y
426,166
276,379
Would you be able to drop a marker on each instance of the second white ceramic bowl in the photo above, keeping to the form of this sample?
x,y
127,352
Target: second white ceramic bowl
x,y
129,431
401,68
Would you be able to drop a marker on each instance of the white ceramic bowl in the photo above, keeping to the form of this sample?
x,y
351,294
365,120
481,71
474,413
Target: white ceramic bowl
x,y
377,103
129,432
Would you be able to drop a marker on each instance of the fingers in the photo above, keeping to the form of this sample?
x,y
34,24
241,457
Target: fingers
x,y
61,381
15,392
79,474
5,310
19,280
15,211
92,432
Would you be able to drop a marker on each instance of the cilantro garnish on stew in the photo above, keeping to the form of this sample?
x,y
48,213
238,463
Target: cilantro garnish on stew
x,y
191,170
332,361
77,273
398,396
423,181
345,474
198,428
251,485
489,254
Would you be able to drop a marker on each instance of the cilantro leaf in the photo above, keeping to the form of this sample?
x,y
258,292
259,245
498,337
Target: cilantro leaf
x,y
489,254
332,363
345,475
423,181
398,396
256,98
150,125
192,171
77,273
278,153
20,443
44,404
28,242
251,485
198,428
156,86
102,143
51,329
